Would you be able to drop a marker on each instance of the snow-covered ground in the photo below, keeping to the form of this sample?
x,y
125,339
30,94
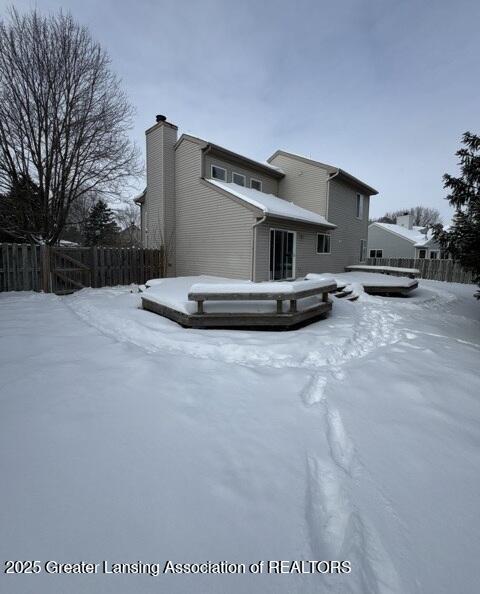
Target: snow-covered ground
x,y
125,437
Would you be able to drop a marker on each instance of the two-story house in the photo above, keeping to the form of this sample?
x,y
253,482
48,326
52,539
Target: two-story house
x,y
220,213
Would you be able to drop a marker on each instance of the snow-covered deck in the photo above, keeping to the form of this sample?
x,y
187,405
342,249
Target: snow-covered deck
x,y
238,304
390,270
372,283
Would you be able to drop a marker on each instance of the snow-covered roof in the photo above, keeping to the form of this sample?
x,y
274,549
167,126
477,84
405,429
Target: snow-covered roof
x,y
413,235
271,205
428,238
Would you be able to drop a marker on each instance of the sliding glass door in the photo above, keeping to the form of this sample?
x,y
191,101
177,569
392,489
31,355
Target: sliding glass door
x,y
282,254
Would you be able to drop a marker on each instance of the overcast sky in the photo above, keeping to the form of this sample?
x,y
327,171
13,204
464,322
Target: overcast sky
x,y
381,88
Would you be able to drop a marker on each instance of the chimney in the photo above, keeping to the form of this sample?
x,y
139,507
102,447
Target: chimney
x,y
160,197
405,220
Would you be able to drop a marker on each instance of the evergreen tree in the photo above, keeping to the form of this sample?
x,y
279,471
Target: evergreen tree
x,y
21,212
100,227
462,239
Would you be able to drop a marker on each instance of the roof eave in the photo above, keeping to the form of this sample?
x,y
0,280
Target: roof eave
x,y
140,199
325,225
329,168
246,161
347,177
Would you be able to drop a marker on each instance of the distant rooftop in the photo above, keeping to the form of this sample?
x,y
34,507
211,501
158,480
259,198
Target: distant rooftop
x,y
414,235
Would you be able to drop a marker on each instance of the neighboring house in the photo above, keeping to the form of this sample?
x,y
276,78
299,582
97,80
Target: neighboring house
x,y
402,240
220,213
131,236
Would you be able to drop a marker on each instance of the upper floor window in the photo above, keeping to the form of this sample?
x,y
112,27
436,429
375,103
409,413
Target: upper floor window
x,y
238,178
433,255
256,184
359,206
422,254
219,173
323,243
376,253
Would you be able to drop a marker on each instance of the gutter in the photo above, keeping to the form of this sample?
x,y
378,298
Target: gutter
x,y
254,244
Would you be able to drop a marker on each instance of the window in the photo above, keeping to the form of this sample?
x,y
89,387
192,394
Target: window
x,y
219,173
363,250
422,254
433,255
238,178
376,253
359,208
443,255
256,184
323,243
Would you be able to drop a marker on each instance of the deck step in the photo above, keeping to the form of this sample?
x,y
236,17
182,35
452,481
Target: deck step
x,y
343,293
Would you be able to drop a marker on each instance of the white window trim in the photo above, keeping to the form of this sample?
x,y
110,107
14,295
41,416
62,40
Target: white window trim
x,y
239,175
422,250
437,257
362,199
329,245
252,179
294,259
218,167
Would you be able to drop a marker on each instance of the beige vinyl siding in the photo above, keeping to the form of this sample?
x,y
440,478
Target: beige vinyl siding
x,y
214,233
269,184
142,225
160,199
342,206
304,183
307,259
392,245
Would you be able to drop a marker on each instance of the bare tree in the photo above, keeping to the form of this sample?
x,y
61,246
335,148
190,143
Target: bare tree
x,y
64,123
423,216
128,220
128,215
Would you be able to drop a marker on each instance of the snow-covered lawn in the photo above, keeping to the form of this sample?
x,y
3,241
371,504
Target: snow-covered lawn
x,y
127,438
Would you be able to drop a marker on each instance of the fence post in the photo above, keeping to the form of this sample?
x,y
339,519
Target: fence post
x,y
93,267
45,267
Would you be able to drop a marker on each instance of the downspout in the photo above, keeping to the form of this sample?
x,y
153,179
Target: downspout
x,y
328,193
254,244
205,152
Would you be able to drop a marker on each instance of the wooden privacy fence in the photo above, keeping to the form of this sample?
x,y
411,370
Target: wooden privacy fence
x,y
52,269
442,270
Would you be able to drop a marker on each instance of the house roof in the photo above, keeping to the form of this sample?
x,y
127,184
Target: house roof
x,y
413,235
210,147
270,205
140,199
428,239
332,170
